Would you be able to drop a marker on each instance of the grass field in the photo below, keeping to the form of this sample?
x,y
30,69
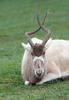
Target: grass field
x,y
17,17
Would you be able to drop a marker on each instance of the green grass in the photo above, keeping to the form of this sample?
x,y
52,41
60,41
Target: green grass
x,y
17,17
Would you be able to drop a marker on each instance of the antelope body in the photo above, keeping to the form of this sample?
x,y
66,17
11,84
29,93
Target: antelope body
x,y
44,60
56,61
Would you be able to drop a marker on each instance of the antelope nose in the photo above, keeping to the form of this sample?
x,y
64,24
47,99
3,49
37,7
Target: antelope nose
x,y
39,73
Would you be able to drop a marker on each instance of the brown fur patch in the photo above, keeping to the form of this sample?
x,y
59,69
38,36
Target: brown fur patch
x,y
38,49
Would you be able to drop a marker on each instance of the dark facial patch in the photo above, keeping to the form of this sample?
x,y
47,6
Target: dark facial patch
x,y
38,50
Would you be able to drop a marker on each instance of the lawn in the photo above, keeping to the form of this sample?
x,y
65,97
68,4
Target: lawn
x,y
17,17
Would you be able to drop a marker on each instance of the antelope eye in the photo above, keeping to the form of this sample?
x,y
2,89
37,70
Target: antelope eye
x,y
44,53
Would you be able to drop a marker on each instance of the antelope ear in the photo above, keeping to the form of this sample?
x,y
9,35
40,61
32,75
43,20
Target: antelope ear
x,y
24,45
48,43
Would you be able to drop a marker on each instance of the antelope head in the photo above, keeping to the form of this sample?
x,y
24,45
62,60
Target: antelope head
x,y
38,49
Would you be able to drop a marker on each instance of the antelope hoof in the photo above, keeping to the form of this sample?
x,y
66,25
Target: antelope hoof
x,y
27,82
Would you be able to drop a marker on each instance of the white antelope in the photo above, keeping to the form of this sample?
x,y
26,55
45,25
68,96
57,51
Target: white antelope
x,y
44,60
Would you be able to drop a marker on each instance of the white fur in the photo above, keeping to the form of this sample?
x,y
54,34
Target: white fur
x,y
36,58
57,59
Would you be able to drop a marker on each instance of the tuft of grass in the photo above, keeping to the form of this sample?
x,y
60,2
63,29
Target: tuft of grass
x,y
17,17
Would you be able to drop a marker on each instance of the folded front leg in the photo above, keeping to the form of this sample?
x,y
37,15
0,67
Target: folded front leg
x,y
49,77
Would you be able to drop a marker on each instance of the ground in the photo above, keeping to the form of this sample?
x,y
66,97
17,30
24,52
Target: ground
x,y
17,17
